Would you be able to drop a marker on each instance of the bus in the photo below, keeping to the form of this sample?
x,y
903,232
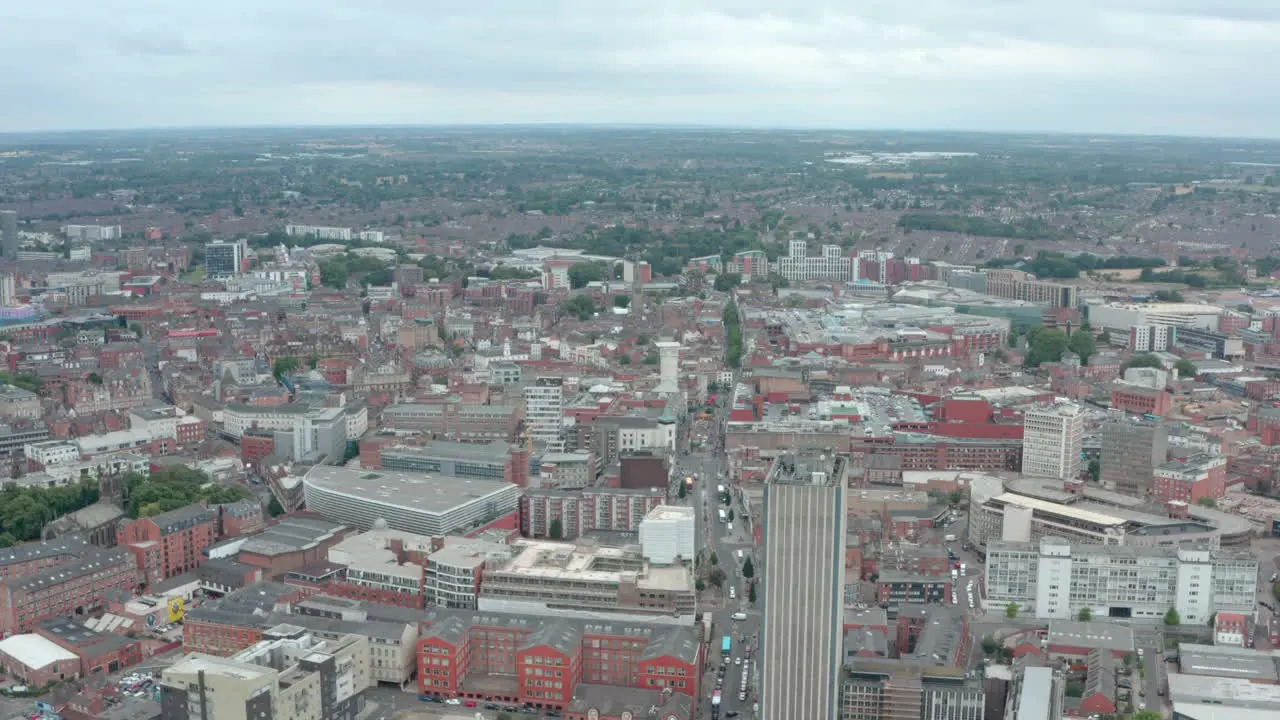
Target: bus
x,y
726,646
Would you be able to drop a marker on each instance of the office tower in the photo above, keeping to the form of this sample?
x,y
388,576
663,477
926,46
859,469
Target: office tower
x,y
1132,449
803,599
9,233
8,290
669,366
1051,441
223,259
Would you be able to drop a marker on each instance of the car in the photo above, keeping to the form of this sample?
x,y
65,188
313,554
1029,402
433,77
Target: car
x,y
737,661
742,696
731,714
453,701
469,703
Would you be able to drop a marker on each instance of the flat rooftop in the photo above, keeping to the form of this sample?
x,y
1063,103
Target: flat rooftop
x,y
429,492
566,562
1035,504
1233,692
1225,662
1091,635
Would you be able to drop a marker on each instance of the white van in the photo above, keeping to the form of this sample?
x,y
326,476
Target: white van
x,y
739,616
730,527
740,555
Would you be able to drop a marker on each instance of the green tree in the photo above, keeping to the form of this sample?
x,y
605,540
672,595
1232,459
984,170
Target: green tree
x,y
581,307
1172,617
715,559
1074,689
1083,344
1011,610
556,531
751,592
1128,660
622,301
274,508
1145,360
1147,715
1186,369
716,577
777,281
583,273
1085,615
990,645
285,366
727,281
681,490
1045,345
748,570
1095,469
1207,502
699,585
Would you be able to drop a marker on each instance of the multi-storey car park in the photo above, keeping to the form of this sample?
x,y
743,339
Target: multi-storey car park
x,y
1029,509
426,504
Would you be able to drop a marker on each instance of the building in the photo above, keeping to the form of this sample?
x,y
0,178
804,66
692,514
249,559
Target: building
x,y
567,514
668,534
1056,579
91,234
803,599
455,420
74,587
18,403
1152,338
1131,450
1196,479
169,544
494,460
1119,317
421,503
1052,438
1036,693
831,264
586,576
544,409
290,675
1019,285
319,232
1232,629
36,660
543,660
9,233
224,259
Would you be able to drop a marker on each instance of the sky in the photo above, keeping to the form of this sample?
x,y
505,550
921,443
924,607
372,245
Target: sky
x,y
1180,67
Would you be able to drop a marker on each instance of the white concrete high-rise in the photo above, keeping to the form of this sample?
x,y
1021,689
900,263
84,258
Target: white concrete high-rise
x,y
667,533
803,600
1052,440
668,366
544,409
8,290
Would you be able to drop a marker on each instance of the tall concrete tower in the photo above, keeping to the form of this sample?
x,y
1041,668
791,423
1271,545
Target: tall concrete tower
x,y
9,233
668,366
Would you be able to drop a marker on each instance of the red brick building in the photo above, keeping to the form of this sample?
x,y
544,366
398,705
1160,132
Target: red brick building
x,y
171,543
460,653
241,518
99,652
1191,480
1140,400
74,588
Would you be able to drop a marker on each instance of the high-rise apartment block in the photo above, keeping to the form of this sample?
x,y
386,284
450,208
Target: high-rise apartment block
x,y
1052,441
544,409
224,259
1057,579
9,233
1131,450
803,599
798,265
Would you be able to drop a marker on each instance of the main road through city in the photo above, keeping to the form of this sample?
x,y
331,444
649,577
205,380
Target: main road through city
x,y
708,462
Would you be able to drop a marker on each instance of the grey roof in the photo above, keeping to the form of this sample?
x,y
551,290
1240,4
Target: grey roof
x,y
292,535
183,518
612,701
560,636
1222,661
423,492
1107,636
1101,679
72,546
88,564
872,639
333,626
239,607
495,451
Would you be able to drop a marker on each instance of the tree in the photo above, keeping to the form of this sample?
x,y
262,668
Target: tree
x,y
748,569
95,378
716,577
751,592
1147,715
699,585
274,508
1104,337
556,531
1207,502
581,307
1145,360
1085,615
583,273
727,281
730,514
285,366
622,301
1074,690
715,559
990,645
1185,368
1011,610
1128,660
1095,469
1083,344
1045,345
681,490
1172,617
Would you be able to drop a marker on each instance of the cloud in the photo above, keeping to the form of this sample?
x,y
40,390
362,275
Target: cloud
x,y
1138,66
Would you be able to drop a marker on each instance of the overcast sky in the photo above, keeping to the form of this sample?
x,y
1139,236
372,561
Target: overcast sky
x,y
1191,67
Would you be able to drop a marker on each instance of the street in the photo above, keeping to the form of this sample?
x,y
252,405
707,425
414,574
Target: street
x,y
732,597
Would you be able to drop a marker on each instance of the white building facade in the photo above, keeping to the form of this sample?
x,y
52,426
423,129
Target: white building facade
x,y
1057,580
1052,441
667,533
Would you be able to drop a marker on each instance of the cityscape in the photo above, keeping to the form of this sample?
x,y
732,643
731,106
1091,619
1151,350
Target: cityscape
x,y
605,423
